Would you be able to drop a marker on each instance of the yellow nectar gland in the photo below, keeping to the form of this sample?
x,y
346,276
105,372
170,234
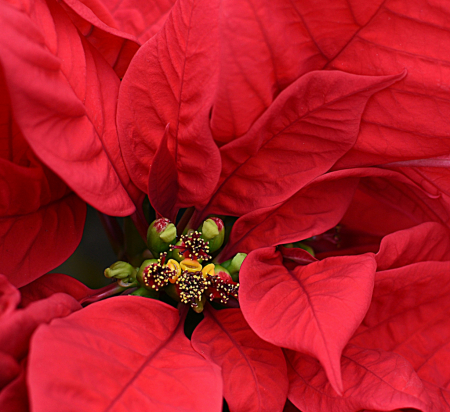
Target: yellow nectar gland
x,y
175,267
191,265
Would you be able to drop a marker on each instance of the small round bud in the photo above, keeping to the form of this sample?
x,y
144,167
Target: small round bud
x,y
213,230
234,265
121,270
160,234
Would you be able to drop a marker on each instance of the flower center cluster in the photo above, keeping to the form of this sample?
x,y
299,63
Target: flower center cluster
x,y
193,247
193,282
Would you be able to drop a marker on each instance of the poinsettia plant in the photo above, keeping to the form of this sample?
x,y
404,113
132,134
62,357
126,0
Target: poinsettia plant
x,y
285,167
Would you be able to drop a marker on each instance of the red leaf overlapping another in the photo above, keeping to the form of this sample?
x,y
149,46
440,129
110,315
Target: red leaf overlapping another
x,y
142,20
41,219
127,359
63,97
254,371
401,347
16,329
171,81
301,308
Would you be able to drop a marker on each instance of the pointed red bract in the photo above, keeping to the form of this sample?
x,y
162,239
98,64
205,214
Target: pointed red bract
x,y
303,133
172,80
254,371
387,36
131,353
16,329
312,309
52,283
41,219
163,190
95,23
373,379
321,205
265,48
141,19
63,96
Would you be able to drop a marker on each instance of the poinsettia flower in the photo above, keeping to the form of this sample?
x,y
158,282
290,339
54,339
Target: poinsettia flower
x,y
63,97
282,122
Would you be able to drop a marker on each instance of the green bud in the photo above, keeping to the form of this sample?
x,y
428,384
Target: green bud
x,y
209,229
139,275
213,230
233,266
121,270
161,233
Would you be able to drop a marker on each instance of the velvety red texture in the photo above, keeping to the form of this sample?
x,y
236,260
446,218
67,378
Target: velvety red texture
x,y
141,19
299,309
52,283
163,187
398,356
306,129
63,96
171,81
16,328
41,219
122,358
94,21
254,371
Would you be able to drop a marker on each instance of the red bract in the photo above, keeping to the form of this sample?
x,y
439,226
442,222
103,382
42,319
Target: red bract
x,y
140,19
254,371
16,329
41,218
171,82
128,358
301,309
397,358
63,97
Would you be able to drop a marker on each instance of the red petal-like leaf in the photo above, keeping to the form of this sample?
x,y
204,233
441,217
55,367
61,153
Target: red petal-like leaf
x,y
126,353
63,97
303,133
35,243
14,396
384,37
254,371
141,19
50,284
296,254
321,205
373,379
16,328
116,47
41,220
265,47
172,80
163,181
429,241
409,315
313,309
9,297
